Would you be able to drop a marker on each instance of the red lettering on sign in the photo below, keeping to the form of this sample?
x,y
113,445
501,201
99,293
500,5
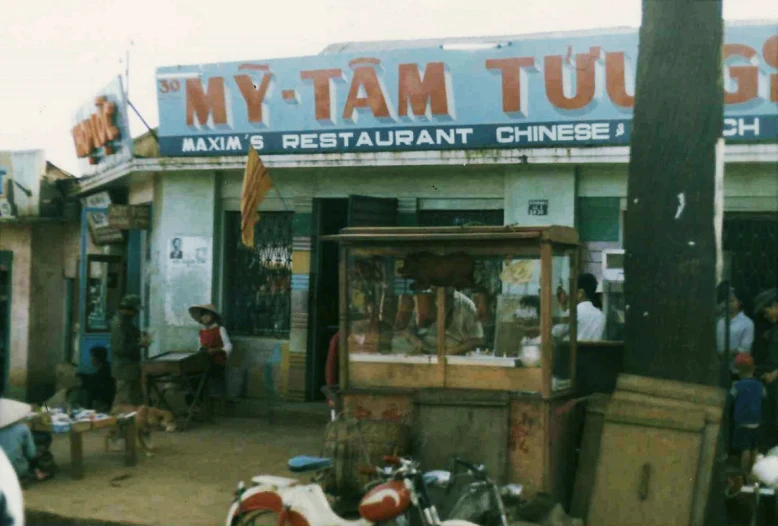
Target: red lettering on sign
x,y
322,91
616,79
512,101
98,131
746,77
420,93
203,104
585,65
254,97
365,78
770,54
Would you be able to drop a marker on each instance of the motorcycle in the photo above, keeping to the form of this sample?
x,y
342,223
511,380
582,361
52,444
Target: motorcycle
x,y
393,499
471,495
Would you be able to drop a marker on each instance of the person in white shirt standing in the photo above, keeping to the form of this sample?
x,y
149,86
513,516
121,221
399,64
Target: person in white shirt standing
x,y
741,330
591,320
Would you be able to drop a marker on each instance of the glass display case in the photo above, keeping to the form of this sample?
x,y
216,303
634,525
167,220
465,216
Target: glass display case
x,y
471,308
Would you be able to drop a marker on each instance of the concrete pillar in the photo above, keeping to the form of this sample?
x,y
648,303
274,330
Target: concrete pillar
x,y
184,207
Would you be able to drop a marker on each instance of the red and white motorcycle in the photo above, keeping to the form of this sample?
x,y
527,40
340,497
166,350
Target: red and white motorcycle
x,y
399,492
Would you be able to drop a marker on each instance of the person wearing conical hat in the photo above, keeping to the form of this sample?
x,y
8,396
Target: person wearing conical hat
x,y
214,340
16,439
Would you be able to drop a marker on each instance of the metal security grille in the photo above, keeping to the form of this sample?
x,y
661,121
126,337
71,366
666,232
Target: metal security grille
x,y
752,242
258,281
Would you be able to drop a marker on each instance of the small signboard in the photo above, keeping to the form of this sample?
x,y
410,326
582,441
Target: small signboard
x,y
99,226
538,207
129,217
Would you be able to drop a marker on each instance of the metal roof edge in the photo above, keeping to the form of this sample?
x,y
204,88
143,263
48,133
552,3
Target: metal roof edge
x,y
741,153
341,47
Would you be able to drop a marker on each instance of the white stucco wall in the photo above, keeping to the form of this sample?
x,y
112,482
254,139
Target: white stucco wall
x,y
556,184
183,206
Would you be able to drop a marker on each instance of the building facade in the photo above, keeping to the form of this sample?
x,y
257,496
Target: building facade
x,y
523,130
38,237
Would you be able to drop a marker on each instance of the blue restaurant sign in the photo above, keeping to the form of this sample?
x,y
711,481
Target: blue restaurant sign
x,y
534,92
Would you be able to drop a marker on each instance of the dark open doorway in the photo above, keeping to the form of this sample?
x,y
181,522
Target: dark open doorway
x,y
329,216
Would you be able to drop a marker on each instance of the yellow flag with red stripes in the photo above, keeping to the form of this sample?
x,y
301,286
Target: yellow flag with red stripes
x,y
256,185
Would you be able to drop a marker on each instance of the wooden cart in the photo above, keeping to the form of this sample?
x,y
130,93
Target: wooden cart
x,y
506,397
188,370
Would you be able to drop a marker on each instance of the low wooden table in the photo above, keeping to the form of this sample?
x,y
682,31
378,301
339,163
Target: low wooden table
x,y
77,430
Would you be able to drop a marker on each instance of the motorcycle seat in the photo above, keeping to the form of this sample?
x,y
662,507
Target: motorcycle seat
x,y
275,482
306,464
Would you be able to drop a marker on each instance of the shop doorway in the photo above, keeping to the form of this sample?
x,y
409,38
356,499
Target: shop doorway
x,y
6,267
329,216
750,242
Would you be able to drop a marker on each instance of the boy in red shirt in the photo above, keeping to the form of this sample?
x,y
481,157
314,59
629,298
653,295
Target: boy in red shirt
x,y
747,394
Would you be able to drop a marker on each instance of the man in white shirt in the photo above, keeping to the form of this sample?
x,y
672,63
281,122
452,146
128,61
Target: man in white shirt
x,y
590,319
741,330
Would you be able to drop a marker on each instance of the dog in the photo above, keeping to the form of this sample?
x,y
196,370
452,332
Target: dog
x,y
146,419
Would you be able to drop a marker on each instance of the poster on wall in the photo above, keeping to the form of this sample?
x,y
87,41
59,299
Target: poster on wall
x,y
188,264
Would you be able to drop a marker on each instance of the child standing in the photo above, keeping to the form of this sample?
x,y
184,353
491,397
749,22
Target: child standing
x,y
215,341
747,394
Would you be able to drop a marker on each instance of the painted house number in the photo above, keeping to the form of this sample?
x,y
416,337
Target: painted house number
x,y
538,207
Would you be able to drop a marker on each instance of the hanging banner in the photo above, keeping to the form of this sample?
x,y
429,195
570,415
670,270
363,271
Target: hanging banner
x,y
561,90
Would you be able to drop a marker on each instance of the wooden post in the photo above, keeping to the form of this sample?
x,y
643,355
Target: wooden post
x,y
547,346
670,267
130,442
76,455
343,351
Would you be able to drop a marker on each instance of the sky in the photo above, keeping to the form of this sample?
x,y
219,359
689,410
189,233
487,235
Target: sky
x,y
55,55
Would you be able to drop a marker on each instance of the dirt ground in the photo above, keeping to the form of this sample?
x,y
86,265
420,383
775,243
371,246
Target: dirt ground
x,y
189,480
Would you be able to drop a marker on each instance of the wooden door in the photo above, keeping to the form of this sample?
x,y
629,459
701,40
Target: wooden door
x,y
647,472
471,425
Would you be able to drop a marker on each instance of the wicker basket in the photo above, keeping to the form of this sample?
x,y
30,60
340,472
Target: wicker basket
x,y
353,444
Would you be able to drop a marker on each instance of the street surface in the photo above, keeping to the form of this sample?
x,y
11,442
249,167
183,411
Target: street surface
x,y
190,479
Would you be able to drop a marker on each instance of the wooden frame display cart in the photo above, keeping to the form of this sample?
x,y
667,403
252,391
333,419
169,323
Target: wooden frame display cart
x,y
495,383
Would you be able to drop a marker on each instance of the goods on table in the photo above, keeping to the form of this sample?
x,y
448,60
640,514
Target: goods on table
x,y
58,421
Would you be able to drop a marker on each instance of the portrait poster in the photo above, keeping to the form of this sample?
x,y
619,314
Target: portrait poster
x,y
189,271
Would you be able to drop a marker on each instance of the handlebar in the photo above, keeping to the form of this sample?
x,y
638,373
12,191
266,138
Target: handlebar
x,y
392,460
479,471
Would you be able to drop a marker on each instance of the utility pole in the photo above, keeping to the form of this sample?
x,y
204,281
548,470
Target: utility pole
x,y
670,240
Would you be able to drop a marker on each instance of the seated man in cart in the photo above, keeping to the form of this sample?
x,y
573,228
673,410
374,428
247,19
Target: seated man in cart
x,y
464,331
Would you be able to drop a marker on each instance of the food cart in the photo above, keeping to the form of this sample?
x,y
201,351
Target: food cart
x,y
464,334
